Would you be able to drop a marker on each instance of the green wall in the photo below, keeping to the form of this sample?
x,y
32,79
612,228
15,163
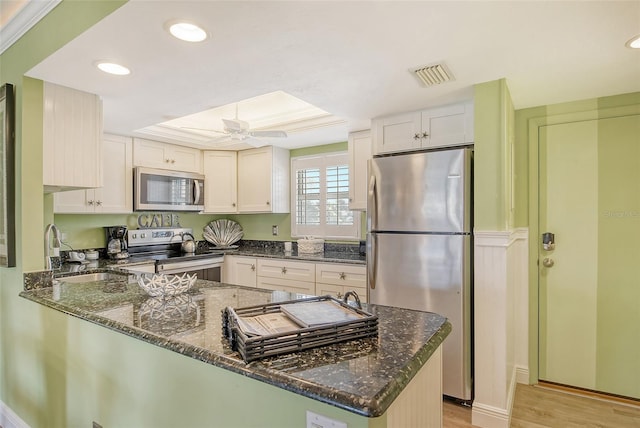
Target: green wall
x,y
493,167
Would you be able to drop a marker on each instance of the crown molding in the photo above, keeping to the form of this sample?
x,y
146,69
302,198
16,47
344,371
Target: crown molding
x,y
25,18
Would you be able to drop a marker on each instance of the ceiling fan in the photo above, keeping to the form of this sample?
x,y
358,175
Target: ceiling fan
x,y
239,130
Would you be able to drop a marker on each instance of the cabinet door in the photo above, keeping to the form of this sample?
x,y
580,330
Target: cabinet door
x,y
448,126
254,180
73,202
184,158
359,154
116,196
397,133
336,291
149,154
240,270
288,285
221,182
341,274
277,268
72,131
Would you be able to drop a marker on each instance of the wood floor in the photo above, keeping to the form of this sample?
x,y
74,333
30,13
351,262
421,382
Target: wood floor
x,y
537,407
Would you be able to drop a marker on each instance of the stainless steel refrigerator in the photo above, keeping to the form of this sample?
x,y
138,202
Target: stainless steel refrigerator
x,y
419,246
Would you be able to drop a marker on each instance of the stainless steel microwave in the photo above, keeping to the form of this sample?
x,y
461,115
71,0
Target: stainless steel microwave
x,y
164,190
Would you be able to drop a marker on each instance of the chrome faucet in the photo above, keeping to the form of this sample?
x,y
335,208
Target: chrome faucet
x,y
47,245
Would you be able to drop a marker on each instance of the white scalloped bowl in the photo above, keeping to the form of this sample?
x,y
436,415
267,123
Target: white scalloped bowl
x,y
166,285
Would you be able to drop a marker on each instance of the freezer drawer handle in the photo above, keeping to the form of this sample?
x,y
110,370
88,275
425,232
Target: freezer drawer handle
x,y
372,218
371,264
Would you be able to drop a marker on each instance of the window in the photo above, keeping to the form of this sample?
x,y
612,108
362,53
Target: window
x,y
320,197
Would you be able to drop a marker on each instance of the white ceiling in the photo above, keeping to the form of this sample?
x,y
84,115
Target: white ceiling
x,y
349,58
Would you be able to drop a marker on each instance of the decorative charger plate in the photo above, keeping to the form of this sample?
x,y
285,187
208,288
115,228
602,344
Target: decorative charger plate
x,y
222,233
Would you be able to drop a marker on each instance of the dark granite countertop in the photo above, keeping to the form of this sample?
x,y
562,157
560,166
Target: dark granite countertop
x,y
362,376
333,252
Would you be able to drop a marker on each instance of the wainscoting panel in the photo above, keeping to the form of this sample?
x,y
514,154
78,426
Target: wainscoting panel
x,y
500,323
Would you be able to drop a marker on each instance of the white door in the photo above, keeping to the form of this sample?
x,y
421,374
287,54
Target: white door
x,y
590,281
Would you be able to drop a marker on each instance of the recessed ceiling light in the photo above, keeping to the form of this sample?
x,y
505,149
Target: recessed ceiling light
x,y
186,31
113,68
634,43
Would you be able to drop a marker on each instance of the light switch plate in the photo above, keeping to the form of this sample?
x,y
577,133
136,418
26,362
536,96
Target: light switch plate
x,y
318,421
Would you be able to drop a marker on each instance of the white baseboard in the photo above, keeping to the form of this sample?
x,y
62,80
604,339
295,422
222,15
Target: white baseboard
x,y
486,416
522,375
9,419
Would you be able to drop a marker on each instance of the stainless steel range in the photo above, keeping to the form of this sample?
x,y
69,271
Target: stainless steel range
x,y
165,247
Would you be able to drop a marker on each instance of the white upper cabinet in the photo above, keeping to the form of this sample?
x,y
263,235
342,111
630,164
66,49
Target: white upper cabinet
x,y
221,182
116,196
263,180
359,146
72,135
154,154
437,127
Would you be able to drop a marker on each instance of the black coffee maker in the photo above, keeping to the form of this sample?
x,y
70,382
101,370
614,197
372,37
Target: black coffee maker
x,y
116,242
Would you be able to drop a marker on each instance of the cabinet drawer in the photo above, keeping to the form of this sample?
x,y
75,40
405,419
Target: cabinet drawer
x,y
289,285
341,274
277,268
338,291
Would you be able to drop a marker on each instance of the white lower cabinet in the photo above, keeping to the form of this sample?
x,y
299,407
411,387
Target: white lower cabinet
x,y
288,285
335,279
320,279
285,275
240,270
116,194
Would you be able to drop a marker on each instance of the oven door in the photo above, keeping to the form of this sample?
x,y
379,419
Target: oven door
x,y
162,190
207,268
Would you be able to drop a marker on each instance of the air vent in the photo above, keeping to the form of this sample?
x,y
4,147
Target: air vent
x,y
433,74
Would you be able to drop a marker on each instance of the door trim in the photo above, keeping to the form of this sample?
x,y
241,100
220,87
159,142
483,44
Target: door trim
x,y
533,125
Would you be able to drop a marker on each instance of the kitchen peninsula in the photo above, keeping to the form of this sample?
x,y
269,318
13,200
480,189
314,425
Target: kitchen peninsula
x,y
373,380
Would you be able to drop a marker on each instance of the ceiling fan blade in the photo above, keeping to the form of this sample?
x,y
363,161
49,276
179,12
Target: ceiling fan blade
x,y
270,134
235,125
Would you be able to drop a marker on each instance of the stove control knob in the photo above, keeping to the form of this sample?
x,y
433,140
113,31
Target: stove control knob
x,y
143,235
134,236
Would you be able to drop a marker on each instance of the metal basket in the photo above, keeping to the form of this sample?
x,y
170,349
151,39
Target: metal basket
x,y
253,348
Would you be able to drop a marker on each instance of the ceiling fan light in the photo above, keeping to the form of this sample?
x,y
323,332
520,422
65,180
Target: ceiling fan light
x,y
113,68
634,42
187,31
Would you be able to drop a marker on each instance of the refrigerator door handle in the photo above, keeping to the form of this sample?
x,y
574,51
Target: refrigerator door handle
x,y
372,204
372,265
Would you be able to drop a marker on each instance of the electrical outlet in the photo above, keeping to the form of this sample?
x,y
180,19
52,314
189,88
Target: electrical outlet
x,y
318,421
63,236
274,230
